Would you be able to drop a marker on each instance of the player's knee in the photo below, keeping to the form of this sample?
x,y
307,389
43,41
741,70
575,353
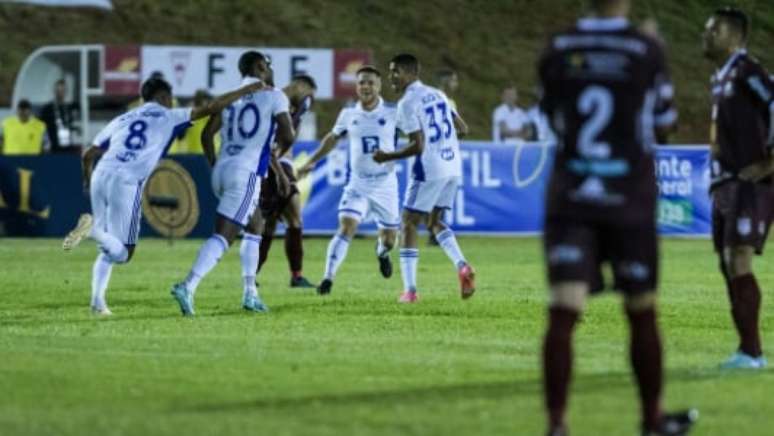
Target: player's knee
x,y
348,227
739,260
640,302
437,227
569,295
388,239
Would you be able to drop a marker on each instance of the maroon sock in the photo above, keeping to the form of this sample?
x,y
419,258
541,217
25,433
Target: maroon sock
x,y
745,309
265,247
557,363
646,359
294,250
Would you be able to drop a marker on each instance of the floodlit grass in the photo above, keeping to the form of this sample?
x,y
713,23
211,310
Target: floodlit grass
x,y
354,363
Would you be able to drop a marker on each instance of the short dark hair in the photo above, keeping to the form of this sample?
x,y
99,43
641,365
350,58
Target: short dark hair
x,y
406,61
306,79
247,61
153,86
736,18
24,104
369,69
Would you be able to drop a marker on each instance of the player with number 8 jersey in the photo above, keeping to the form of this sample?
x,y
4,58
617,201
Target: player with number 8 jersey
x,y
131,146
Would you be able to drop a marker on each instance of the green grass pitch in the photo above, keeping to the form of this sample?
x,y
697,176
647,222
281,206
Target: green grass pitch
x,y
354,363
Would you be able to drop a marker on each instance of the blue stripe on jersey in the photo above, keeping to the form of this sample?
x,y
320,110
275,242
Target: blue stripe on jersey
x,y
177,131
105,144
263,161
245,206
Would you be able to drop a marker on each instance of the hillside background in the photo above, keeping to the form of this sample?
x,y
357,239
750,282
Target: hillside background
x,y
490,43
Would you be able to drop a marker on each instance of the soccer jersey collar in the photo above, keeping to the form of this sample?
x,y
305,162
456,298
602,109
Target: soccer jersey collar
x,y
414,85
250,80
730,63
359,106
602,24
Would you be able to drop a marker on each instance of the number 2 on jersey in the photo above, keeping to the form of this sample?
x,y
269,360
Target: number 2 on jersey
x,y
433,123
597,103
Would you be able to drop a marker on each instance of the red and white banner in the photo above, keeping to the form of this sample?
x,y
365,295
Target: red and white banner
x,y
121,72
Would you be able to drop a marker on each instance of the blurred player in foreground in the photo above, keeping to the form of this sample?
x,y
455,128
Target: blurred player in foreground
x,y
607,92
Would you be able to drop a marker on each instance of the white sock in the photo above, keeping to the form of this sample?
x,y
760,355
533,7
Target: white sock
x,y
448,242
409,258
249,252
208,257
100,276
381,249
337,252
110,245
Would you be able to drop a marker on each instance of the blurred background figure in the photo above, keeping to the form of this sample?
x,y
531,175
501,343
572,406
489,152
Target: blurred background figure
x,y
191,142
539,128
448,81
23,133
509,121
59,117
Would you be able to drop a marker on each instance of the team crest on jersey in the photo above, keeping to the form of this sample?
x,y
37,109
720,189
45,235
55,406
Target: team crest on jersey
x,y
382,121
744,226
234,149
728,89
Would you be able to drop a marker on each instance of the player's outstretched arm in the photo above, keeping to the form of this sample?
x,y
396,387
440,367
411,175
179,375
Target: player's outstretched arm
x,y
208,137
219,103
415,148
328,143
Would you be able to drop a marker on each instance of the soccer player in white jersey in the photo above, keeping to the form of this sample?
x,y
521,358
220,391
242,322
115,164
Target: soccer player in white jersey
x,y
425,115
247,129
131,146
372,188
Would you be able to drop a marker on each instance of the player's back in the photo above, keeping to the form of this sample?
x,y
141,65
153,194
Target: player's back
x,y
136,140
606,88
427,108
248,129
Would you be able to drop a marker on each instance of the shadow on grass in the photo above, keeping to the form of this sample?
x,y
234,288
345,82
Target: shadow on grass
x,y
588,383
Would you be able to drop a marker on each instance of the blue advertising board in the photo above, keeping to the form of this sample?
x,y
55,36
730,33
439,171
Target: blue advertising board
x,y
502,191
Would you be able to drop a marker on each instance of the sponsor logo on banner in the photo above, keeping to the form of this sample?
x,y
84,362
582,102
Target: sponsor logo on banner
x,y
122,70
169,202
215,69
346,64
180,60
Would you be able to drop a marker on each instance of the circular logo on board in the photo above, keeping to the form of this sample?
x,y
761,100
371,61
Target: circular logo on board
x,y
169,201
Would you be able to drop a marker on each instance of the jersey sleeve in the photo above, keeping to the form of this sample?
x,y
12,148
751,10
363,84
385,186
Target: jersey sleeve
x,y
340,127
407,119
761,86
102,140
281,103
664,111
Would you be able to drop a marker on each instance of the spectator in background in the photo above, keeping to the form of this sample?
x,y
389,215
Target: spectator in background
x,y
59,117
448,82
191,141
23,133
539,128
509,122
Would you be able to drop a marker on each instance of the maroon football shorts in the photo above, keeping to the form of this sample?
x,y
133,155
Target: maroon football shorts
x,y
575,251
741,215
